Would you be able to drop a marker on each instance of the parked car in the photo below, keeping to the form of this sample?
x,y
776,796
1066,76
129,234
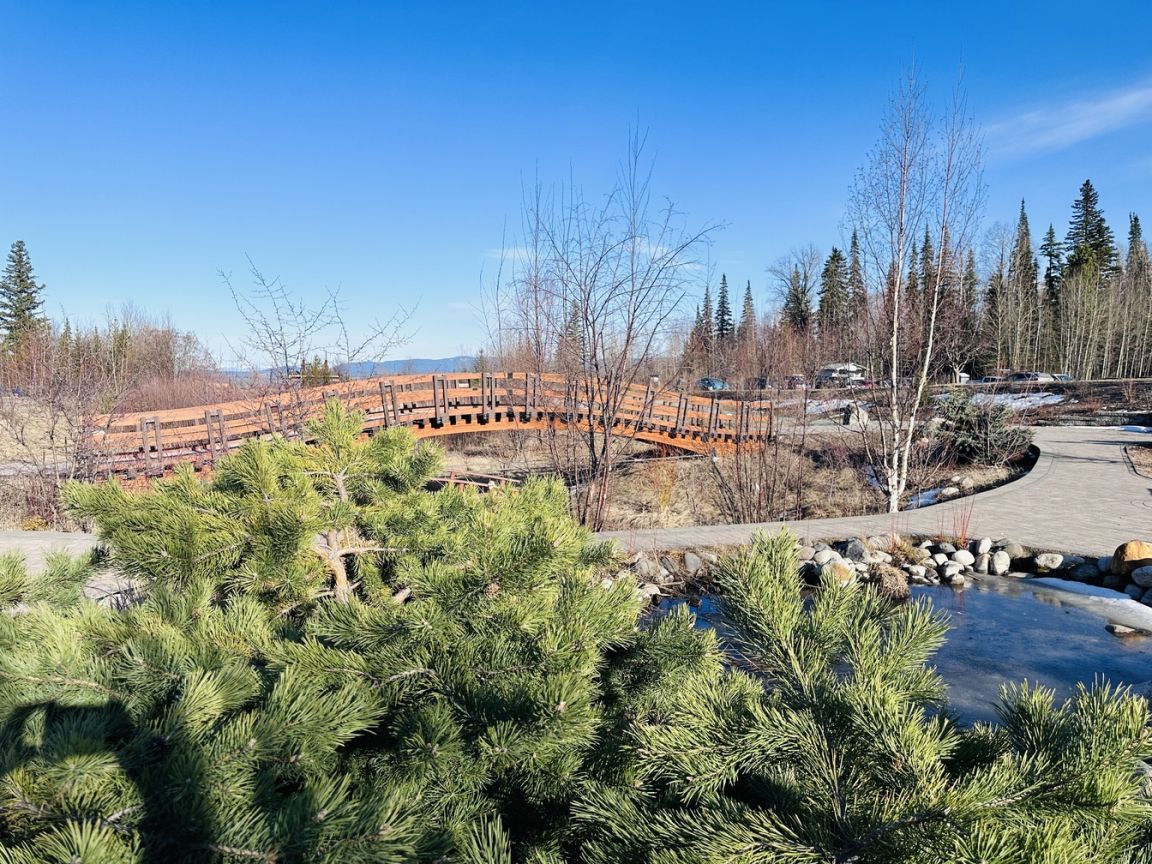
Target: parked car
x,y
841,375
795,382
992,379
1031,376
1063,376
712,384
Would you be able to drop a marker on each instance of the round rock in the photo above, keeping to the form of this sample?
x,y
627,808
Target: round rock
x,y
1142,576
964,557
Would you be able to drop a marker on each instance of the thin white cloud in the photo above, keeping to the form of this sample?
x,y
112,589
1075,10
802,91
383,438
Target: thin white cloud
x,y
1061,125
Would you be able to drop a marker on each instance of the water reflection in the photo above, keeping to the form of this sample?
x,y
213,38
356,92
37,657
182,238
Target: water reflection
x,y
1005,631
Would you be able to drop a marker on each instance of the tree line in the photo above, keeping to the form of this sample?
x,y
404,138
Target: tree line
x,y
1081,305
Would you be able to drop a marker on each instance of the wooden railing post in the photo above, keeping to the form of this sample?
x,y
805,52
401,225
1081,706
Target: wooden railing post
x,y
682,414
713,417
150,439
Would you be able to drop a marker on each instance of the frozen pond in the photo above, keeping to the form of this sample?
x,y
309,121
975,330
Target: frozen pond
x,y
1004,630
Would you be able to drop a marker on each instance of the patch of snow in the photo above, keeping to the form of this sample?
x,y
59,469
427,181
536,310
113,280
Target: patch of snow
x,y
1018,401
1113,605
923,499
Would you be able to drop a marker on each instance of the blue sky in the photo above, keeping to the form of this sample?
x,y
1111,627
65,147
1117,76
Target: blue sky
x,y
381,147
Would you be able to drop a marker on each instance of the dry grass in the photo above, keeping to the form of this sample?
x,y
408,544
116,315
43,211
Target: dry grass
x,y
1140,455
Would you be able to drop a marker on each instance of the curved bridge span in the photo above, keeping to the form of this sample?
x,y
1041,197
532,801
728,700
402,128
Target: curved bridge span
x,y
150,443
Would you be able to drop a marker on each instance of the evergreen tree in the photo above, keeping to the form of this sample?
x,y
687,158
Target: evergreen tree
x,y
928,264
797,303
571,348
746,329
708,320
1053,253
833,309
1089,239
857,290
21,298
1137,267
725,326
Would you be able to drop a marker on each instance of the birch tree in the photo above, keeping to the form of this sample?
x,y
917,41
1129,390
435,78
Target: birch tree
x,y
923,174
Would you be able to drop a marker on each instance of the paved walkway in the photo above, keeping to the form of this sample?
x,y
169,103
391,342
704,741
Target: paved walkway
x,y
1081,496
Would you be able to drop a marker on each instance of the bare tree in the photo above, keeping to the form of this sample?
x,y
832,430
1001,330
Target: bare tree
x,y
284,331
918,177
593,292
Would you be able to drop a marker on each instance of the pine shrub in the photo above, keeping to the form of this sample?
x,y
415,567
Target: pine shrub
x,y
331,664
980,434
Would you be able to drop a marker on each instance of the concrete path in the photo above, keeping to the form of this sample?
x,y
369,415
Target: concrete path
x,y
34,545
1082,496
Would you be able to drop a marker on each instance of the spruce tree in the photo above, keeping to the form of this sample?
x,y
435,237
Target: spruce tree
x,y
857,290
833,309
1053,253
746,329
797,303
708,320
1137,266
725,325
1089,239
21,298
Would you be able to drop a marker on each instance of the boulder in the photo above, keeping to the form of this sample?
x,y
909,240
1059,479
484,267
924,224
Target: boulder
x,y
823,556
709,557
1142,576
649,590
1131,555
966,484
957,581
855,550
1047,561
949,491
1112,581
1104,565
693,564
1086,572
1135,591
940,558
668,564
1014,550
805,553
980,565
1071,562
946,548
982,546
647,569
837,572
890,582
919,555
917,573
950,569
963,557
1000,563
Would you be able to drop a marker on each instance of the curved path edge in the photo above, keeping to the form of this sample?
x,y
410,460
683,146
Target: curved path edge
x,y
1081,496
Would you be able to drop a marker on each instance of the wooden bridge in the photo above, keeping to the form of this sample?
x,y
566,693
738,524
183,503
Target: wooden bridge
x,y
150,443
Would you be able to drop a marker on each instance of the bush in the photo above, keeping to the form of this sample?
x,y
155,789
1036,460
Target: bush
x,y
975,433
481,691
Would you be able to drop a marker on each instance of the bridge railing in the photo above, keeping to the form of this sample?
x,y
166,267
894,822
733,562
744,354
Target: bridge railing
x,y
437,404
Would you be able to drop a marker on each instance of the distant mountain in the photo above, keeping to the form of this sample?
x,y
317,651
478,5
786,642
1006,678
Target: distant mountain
x,y
415,366
375,368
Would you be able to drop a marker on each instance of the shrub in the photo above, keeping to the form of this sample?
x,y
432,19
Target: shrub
x,y
975,433
481,692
